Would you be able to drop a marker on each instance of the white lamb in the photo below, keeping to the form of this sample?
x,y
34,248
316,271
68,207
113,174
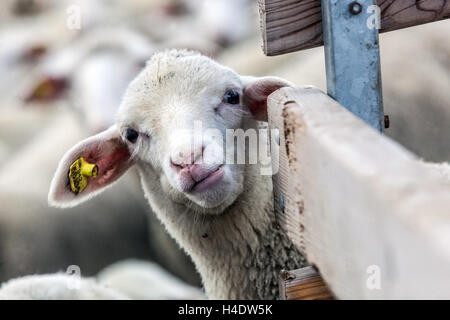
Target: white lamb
x,y
222,214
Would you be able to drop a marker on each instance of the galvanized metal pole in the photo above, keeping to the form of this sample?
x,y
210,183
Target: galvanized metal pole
x,y
353,57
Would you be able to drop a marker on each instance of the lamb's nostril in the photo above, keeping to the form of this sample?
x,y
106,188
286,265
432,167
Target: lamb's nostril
x,y
177,165
182,163
198,157
186,160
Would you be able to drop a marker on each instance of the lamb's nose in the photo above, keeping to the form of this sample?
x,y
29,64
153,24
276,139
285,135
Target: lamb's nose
x,y
187,159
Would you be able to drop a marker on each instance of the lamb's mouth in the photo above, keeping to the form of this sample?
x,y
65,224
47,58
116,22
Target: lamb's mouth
x,y
210,181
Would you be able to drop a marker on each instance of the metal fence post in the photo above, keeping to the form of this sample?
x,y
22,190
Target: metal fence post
x,y
353,57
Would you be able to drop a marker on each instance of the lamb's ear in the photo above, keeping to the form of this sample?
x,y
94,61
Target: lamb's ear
x,y
105,159
256,91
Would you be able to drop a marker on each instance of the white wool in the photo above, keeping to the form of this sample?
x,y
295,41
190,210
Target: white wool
x,y
57,286
146,280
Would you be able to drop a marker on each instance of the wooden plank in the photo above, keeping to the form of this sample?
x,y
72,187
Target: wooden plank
x,y
293,25
365,211
303,284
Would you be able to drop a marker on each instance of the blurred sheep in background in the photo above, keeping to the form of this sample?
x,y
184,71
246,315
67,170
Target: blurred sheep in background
x,y
56,287
145,280
128,279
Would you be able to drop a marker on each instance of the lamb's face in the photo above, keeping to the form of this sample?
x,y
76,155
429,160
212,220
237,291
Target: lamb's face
x,y
174,118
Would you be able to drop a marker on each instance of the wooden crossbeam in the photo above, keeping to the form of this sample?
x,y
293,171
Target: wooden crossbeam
x,y
364,210
292,25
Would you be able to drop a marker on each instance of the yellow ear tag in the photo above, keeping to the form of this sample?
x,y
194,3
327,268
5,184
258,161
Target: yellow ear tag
x,y
78,173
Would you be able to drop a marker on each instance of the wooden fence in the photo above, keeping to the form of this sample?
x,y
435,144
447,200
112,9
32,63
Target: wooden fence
x,y
369,216
364,210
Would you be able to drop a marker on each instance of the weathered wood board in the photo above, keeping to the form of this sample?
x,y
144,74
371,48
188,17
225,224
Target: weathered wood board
x,y
293,25
303,284
365,211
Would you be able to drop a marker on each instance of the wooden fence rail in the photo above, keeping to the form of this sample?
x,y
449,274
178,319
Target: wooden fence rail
x,y
292,25
364,210
303,284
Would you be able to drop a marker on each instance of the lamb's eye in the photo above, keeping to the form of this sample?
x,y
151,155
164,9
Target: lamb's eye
x,y
231,97
131,135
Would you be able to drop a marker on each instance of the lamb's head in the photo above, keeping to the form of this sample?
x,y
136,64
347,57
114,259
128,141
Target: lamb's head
x,y
174,121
